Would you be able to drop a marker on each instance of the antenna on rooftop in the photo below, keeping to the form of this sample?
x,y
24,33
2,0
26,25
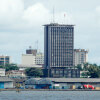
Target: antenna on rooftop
x,y
64,17
36,44
53,15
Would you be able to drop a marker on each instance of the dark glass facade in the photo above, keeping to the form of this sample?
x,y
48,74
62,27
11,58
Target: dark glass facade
x,y
31,51
58,45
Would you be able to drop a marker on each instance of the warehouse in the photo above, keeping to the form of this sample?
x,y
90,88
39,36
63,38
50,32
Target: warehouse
x,y
5,83
31,83
38,83
63,83
67,83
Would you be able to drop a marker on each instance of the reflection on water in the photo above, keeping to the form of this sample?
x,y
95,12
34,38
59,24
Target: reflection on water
x,y
50,95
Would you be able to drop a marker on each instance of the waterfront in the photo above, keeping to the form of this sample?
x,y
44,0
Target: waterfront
x,y
50,95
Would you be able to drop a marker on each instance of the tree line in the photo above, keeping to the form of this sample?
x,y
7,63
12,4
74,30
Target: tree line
x,y
89,70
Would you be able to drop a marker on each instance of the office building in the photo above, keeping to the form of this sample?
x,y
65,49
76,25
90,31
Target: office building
x,y
5,60
80,56
59,51
58,45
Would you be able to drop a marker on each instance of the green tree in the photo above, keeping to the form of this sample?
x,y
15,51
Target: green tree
x,y
86,65
35,72
79,67
84,74
94,71
1,66
11,67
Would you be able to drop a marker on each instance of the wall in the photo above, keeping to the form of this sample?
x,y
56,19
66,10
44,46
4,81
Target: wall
x,y
8,85
28,59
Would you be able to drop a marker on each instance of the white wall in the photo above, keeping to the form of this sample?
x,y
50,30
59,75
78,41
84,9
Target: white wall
x,y
28,59
2,72
8,85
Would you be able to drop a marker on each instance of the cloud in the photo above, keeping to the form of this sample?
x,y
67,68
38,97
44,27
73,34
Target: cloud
x,y
15,17
10,11
21,24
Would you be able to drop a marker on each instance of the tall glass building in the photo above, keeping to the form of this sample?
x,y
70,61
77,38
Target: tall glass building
x,y
58,45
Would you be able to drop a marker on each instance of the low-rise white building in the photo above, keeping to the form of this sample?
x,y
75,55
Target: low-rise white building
x,y
80,56
15,73
2,72
32,60
6,82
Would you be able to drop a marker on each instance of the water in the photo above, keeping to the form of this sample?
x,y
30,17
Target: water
x,y
50,95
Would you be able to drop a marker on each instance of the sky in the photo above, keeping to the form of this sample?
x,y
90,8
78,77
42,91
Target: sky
x,y
21,25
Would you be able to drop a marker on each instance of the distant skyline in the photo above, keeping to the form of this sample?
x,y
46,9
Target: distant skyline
x,y
21,25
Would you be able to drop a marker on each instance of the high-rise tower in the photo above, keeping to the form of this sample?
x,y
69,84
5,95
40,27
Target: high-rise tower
x,y
58,45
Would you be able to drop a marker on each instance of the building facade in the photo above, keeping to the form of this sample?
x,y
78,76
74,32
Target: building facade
x,y
28,59
5,60
62,83
2,72
33,57
39,59
6,83
15,73
58,45
80,56
59,72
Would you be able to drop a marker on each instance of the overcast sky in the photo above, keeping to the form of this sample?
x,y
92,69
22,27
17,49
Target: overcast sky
x,y
21,24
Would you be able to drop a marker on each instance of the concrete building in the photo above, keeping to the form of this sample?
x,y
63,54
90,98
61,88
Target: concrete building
x,y
6,82
5,60
28,59
59,50
80,56
58,45
32,58
15,73
2,72
39,59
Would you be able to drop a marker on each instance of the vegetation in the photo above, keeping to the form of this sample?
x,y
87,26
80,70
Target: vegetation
x,y
90,70
35,72
8,67
94,71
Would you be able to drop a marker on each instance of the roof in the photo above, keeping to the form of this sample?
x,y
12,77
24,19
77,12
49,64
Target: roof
x,y
56,24
31,81
45,81
65,80
18,80
28,66
5,79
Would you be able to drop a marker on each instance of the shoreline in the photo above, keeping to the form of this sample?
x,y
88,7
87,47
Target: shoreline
x,y
18,90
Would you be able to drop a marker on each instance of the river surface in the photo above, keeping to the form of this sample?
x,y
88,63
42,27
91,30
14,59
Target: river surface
x,y
50,95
